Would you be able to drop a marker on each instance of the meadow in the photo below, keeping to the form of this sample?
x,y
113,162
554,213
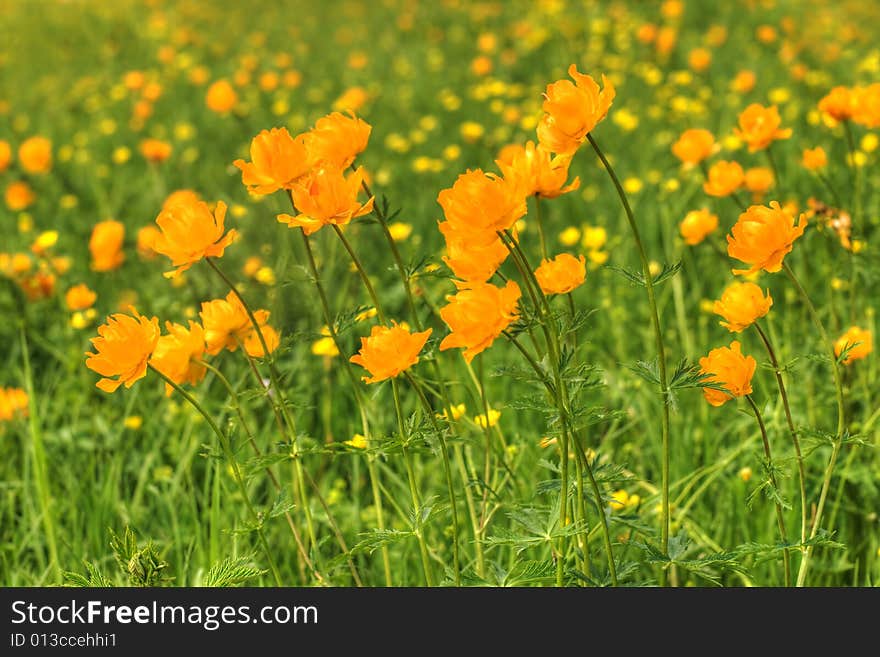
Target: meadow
x,y
399,293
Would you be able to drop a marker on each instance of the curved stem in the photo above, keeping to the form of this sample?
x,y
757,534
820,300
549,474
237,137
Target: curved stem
x,y
360,267
772,160
236,470
841,422
855,171
661,350
780,516
539,220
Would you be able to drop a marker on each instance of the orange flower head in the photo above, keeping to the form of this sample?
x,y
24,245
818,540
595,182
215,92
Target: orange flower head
x,y
759,126
762,236
562,274
389,351
724,178
19,195
13,402
744,81
40,285
728,367
477,314
839,103
470,261
254,347
814,158
741,305
155,150
186,196
277,162
146,236
859,341
124,345
536,172
178,354
226,323
5,155
758,180
221,97
80,297
571,111
190,232
867,106
697,225
35,155
337,139
105,245
481,204
327,197
694,146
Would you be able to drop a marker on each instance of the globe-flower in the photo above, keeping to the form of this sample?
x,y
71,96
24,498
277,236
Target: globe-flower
x,y
759,126
155,150
18,195
5,155
562,274
724,178
327,197
252,345
867,106
477,314
572,110
728,367
190,232
858,340
146,236
178,354
814,158
13,402
105,245
277,162
221,97
697,225
35,155
839,103
226,323
122,349
758,180
536,172
185,196
79,297
389,351
482,204
741,305
762,236
337,139
694,146
470,261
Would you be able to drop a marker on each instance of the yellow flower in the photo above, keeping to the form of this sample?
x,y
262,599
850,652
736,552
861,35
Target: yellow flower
x,y
593,237
697,225
620,500
325,347
357,441
458,412
400,231
133,422
483,423
13,402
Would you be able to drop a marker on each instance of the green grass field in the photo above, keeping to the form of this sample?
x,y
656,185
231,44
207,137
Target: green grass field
x,y
317,481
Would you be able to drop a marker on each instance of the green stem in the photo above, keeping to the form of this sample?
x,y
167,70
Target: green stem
x,y
236,470
661,350
363,273
772,160
841,422
780,516
855,171
540,222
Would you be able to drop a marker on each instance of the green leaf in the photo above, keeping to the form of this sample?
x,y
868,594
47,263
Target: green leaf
x,y
232,571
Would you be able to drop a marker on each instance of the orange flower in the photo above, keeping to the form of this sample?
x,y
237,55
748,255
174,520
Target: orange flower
x,y
177,354
337,139
562,274
469,261
860,341
481,204
35,155
814,158
254,347
724,178
728,367
190,232
477,314
758,180
572,111
389,351
536,172
744,81
186,196
13,401
80,297
5,155
742,304
19,195
155,150
839,103
40,285
277,162
759,126
145,238
226,323
327,197
696,225
762,236
867,106
124,345
694,146
105,245
221,97
699,59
